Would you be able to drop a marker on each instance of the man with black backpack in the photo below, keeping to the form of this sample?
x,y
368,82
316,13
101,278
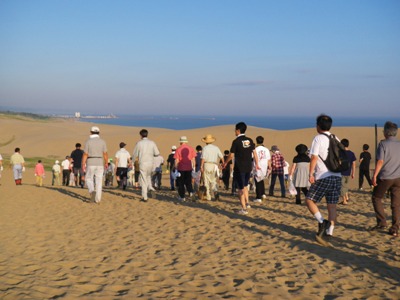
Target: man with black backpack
x,y
324,182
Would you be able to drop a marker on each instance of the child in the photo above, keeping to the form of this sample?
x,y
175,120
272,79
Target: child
x,y
39,173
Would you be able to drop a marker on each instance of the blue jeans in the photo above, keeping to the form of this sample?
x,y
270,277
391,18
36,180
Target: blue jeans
x,y
281,182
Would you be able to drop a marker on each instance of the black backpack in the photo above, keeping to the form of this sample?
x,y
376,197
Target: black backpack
x,y
337,160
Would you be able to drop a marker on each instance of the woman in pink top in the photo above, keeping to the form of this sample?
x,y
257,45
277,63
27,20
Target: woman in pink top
x,y
39,173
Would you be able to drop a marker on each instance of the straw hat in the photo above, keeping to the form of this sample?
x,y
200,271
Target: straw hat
x,y
208,139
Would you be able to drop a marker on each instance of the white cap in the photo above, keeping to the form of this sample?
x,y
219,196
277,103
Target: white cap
x,y
173,147
95,129
57,162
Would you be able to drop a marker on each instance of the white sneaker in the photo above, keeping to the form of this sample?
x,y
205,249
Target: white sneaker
x,y
264,197
181,199
243,212
248,205
257,200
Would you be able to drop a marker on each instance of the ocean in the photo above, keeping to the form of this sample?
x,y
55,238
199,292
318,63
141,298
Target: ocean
x,y
275,122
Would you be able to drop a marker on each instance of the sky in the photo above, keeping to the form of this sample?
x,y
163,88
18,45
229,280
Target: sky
x,y
208,57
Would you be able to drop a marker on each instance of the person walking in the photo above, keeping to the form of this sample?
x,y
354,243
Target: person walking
x,y
185,162
209,166
242,152
264,162
171,167
145,150
122,162
56,170
76,157
300,171
66,170
94,161
226,172
18,165
387,177
365,160
39,173
324,183
348,174
277,171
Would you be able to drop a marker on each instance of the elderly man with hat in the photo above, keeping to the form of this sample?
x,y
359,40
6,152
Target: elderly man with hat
x,y
184,161
277,165
210,158
122,162
94,161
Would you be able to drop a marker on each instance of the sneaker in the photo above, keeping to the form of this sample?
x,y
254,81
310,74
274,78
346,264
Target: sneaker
x,y
322,227
243,212
248,206
181,199
144,200
257,200
264,197
360,189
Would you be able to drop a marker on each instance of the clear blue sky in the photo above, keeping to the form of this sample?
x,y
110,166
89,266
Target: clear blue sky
x,y
208,57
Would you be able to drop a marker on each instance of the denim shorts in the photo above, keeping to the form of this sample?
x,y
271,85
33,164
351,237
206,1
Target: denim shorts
x,y
328,187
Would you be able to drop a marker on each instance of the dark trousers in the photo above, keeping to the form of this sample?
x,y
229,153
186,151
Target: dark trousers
x,y
281,182
122,173
377,195
361,178
66,174
226,174
299,190
184,181
260,188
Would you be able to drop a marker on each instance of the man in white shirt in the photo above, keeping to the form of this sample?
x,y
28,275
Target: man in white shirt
x,y
324,183
66,169
264,163
122,161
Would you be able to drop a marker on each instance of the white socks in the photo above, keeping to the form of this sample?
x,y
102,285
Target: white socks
x,y
319,217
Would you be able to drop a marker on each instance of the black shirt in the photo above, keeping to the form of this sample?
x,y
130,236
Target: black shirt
x,y
243,148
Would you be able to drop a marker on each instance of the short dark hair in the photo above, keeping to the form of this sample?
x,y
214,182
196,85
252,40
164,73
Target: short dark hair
x,y
345,142
390,129
226,152
241,126
365,147
78,145
144,133
17,150
199,148
324,122
259,140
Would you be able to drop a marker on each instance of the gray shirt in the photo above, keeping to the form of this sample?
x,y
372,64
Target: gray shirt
x,y
389,152
145,150
95,147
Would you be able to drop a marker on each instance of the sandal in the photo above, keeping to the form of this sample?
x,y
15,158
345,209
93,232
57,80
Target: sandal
x,y
393,233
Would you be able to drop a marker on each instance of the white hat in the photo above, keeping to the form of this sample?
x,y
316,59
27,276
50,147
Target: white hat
x,y
57,162
183,139
95,129
173,147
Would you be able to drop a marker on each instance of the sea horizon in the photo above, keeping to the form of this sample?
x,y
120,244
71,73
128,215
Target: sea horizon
x,y
180,122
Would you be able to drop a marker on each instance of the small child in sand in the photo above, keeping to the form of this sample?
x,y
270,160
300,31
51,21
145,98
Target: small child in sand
x,y
39,173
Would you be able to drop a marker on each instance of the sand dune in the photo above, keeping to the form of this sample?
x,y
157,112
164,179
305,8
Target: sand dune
x,y
54,245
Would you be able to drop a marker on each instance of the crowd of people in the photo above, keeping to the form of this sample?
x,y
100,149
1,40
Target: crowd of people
x,y
246,165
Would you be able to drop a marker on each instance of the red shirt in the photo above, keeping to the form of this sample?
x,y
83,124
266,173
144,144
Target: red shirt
x,y
277,163
184,154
